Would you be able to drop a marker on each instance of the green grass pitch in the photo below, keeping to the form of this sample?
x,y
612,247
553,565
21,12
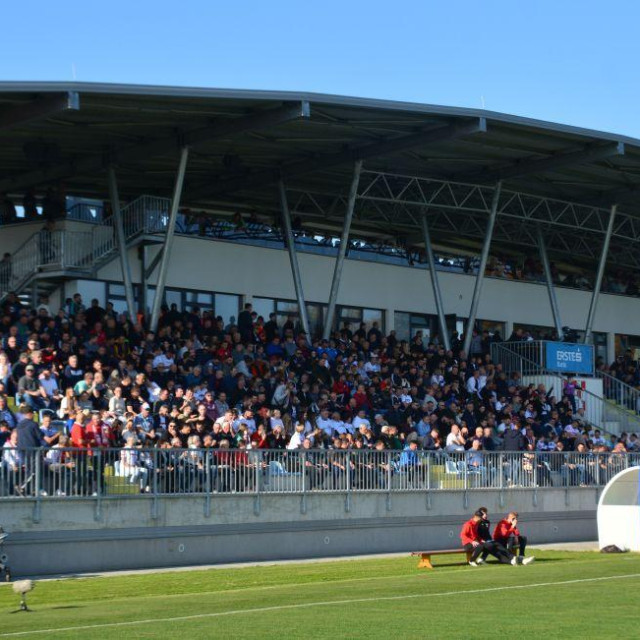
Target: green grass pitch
x,y
561,595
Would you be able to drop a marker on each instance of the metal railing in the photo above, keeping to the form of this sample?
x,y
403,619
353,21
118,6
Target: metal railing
x,y
104,473
623,394
84,212
524,357
61,249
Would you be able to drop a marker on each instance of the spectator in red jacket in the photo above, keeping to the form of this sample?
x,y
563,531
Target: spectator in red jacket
x,y
508,534
472,541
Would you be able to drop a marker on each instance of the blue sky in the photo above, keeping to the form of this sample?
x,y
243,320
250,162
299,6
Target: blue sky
x,y
569,61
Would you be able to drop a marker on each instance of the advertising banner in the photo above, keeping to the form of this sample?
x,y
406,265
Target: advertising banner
x,y
565,357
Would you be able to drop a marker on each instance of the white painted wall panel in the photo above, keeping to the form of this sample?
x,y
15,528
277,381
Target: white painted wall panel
x,y
255,271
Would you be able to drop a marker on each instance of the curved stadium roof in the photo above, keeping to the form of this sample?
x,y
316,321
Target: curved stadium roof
x,y
417,158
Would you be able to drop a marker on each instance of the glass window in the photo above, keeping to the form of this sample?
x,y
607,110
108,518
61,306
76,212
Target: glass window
x,y
119,306
402,325
263,307
493,327
538,332
350,313
315,313
172,296
369,316
227,305
197,298
287,308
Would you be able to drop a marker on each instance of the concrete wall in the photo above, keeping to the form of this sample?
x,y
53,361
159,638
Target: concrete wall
x,y
226,267
70,535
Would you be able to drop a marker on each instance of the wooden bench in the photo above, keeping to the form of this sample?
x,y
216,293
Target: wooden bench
x,y
425,556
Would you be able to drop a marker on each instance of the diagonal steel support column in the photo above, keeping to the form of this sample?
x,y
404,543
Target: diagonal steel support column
x,y
342,250
596,289
293,259
475,300
442,323
121,243
168,242
555,309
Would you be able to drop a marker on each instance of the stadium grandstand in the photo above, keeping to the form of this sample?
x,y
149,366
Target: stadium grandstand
x,y
282,310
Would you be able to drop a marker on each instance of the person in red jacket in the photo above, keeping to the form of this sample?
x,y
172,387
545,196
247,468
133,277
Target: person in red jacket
x,y
471,541
508,534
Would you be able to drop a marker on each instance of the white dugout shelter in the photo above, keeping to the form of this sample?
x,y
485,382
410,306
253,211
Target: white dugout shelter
x,y
619,511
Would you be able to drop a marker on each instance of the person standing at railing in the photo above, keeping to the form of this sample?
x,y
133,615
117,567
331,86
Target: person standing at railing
x,y
569,390
60,468
8,213
11,466
29,438
6,271
45,243
30,206
513,442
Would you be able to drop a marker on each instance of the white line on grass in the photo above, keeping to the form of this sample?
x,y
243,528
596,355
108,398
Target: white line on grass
x,y
455,569
305,605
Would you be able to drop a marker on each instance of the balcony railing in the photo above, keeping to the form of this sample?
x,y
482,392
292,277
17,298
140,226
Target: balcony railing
x,y
104,473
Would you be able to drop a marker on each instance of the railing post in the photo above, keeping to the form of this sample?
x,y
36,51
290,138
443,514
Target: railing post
x,y
99,472
465,498
535,479
388,480
154,488
207,483
62,250
37,507
256,498
501,472
428,481
303,498
347,501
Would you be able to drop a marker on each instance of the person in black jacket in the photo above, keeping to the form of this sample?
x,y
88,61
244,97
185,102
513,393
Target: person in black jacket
x,y
490,545
245,323
29,437
29,434
513,441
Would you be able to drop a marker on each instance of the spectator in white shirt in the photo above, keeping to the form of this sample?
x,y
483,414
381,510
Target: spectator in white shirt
x,y
297,438
162,359
455,440
360,419
248,420
117,404
276,419
324,422
50,386
373,365
474,384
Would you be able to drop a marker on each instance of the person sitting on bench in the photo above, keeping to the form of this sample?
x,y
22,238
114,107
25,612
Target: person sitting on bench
x,y
508,534
471,541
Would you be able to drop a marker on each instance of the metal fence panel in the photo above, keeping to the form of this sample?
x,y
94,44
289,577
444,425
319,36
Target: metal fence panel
x,y
104,473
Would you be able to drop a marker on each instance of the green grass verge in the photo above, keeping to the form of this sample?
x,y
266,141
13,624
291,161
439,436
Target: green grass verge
x,y
563,594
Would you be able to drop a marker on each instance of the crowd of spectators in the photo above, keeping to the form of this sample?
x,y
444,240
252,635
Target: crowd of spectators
x,y
530,269
199,385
